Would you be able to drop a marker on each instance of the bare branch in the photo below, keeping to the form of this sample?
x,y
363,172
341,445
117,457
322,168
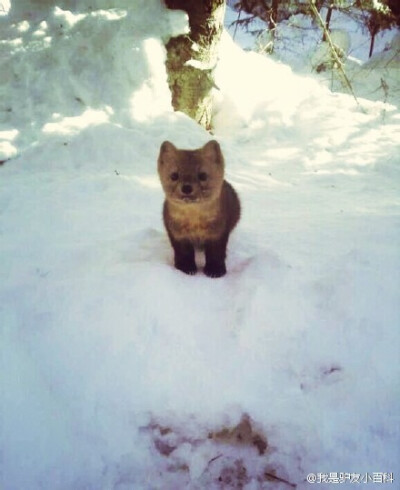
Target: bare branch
x,y
332,48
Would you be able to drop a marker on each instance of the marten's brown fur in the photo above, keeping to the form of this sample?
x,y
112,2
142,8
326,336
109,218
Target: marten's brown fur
x,y
200,207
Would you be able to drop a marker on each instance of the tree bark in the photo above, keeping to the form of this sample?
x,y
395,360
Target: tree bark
x,y
191,58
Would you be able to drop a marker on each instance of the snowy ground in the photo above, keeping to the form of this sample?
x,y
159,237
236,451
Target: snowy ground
x,y
119,372
297,42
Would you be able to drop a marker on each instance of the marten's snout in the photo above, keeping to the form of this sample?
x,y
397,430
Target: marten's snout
x,y
186,189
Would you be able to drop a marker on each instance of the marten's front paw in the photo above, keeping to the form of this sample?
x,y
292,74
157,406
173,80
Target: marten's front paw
x,y
190,269
215,270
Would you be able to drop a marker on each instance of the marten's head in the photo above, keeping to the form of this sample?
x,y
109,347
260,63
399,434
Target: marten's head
x,y
190,176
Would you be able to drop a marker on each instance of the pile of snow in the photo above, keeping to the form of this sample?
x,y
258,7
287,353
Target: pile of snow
x,y
120,372
297,42
69,69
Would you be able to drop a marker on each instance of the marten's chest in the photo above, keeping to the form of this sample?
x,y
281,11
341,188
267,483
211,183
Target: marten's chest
x,y
194,222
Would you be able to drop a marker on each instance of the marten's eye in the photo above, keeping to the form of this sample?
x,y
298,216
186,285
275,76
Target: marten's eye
x,y
202,176
174,176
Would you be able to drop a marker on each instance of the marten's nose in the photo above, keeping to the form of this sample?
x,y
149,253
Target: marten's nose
x,y
187,189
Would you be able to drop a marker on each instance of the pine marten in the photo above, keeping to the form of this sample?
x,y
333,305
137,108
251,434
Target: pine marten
x,y
200,208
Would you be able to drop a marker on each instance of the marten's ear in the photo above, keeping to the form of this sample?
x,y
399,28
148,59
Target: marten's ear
x,y
212,152
167,152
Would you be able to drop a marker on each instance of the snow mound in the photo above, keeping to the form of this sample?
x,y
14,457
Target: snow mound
x,y
298,43
60,63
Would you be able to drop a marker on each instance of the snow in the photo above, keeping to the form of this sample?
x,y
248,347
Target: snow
x,y
297,42
118,371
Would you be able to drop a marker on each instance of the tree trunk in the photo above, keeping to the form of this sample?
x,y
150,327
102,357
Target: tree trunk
x,y
191,58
